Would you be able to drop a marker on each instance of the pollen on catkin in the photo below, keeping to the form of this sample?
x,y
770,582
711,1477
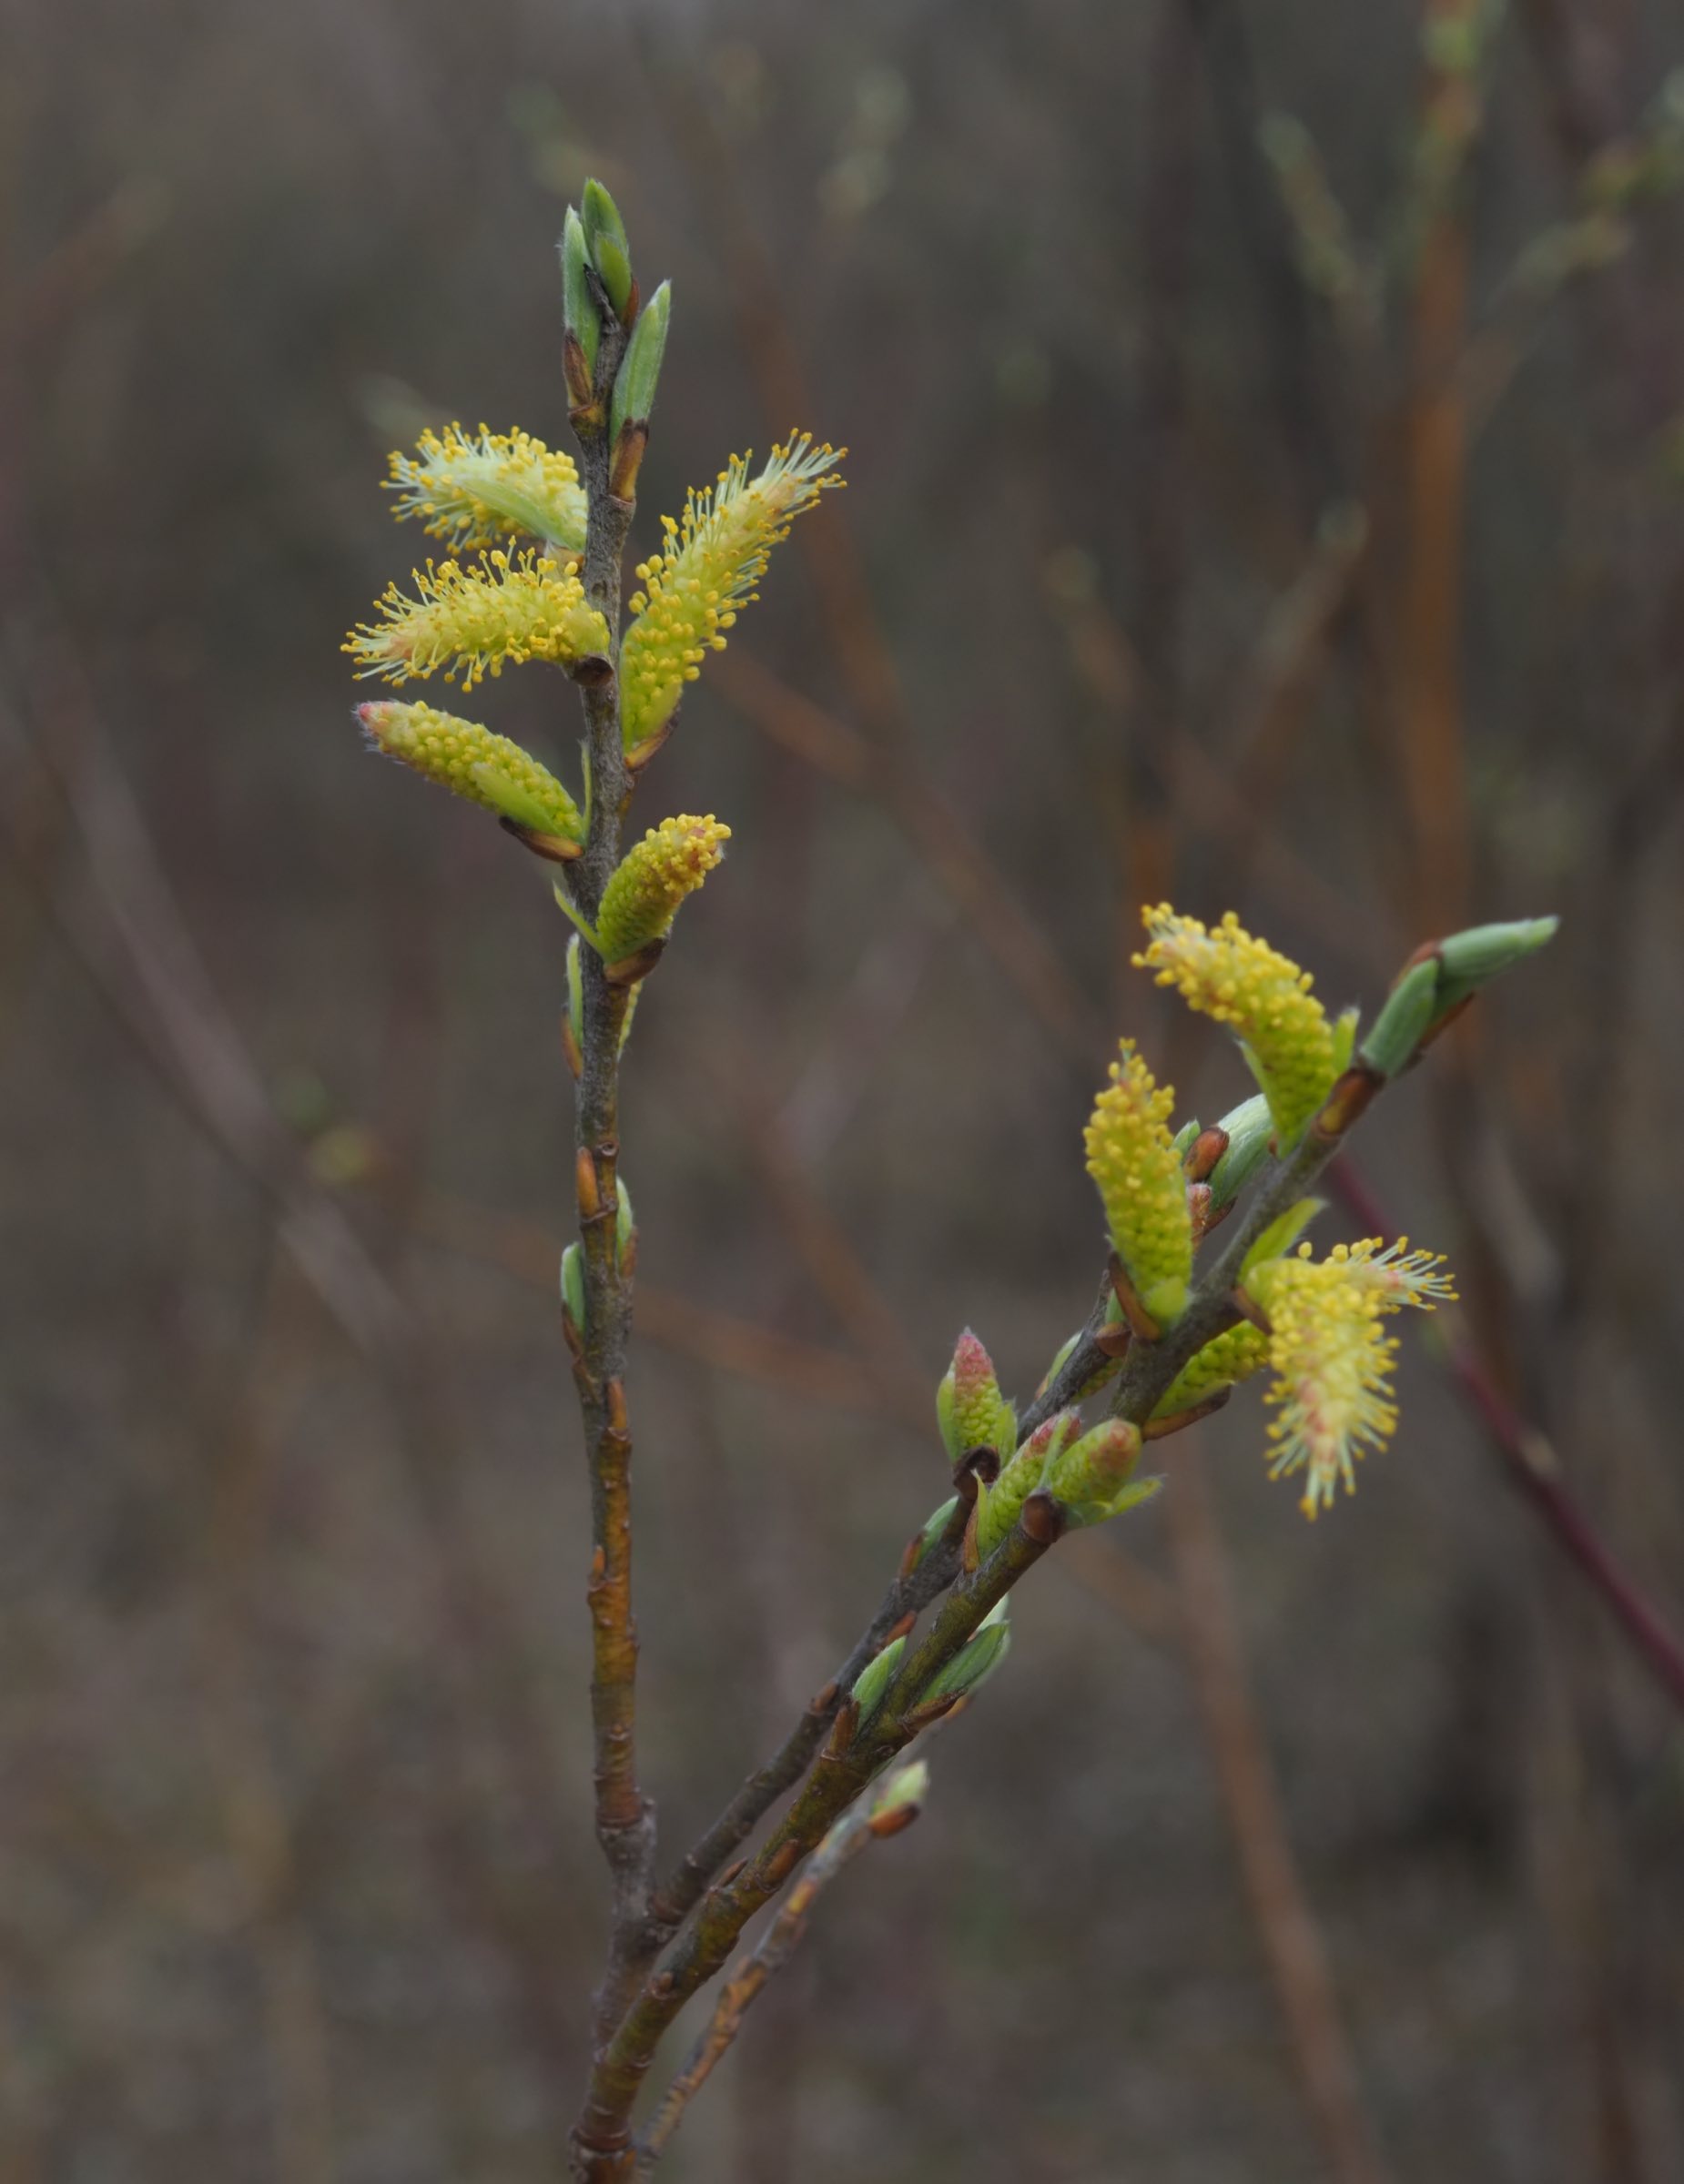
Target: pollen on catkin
x,y
477,490
642,897
473,619
712,558
1132,1159
1227,974
469,761
1332,1361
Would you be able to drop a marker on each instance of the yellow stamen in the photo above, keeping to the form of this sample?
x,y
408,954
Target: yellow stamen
x,y
712,559
1243,982
473,619
475,491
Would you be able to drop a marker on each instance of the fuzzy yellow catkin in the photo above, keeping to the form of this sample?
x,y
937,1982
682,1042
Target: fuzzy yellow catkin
x,y
1227,974
643,894
1332,1360
1141,1184
469,761
473,619
706,569
477,490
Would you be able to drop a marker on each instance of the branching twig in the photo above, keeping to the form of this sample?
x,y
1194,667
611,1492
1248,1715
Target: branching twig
x,y
839,1848
849,1760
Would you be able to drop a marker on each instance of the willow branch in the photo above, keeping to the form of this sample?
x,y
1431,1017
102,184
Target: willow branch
x,y
849,1760
625,1817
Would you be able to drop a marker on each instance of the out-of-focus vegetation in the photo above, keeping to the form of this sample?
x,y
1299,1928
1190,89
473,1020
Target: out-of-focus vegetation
x,y
1266,489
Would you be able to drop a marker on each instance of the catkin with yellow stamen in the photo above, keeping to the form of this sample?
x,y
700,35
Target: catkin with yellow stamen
x,y
1332,1360
712,559
472,761
1227,974
643,894
477,490
1142,1187
474,619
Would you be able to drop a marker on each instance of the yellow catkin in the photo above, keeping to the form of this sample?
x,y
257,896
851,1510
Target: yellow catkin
x,y
643,894
1227,974
1233,1357
478,489
473,619
472,761
1132,1159
1332,1360
708,565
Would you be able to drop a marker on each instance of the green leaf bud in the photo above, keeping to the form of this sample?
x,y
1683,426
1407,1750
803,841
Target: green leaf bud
x,y
583,319
874,1679
1250,1126
575,998
640,370
1061,1358
575,992
604,236
907,1787
1282,1233
626,1227
979,1656
934,1526
1468,960
573,1289
1396,1031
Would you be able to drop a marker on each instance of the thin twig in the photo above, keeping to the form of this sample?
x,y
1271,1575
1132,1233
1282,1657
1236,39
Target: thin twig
x,y
849,1762
625,1822
909,1594
748,1980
